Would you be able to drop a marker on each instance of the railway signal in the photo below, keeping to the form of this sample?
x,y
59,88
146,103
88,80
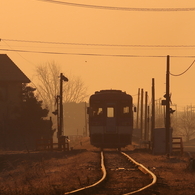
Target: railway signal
x,y
62,78
59,111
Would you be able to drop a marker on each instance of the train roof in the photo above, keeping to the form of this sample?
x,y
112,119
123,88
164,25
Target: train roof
x,y
110,94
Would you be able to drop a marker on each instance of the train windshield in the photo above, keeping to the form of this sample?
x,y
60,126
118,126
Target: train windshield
x,y
110,112
126,110
97,111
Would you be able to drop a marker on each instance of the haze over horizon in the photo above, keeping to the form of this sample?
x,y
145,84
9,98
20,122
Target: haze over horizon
x,y
106,48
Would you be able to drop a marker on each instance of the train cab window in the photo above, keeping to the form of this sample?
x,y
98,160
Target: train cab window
x,y
126,110
97,111
110,112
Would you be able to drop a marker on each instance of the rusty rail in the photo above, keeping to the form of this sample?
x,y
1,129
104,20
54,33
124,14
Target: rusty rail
x,y
95,184
145,171
138,165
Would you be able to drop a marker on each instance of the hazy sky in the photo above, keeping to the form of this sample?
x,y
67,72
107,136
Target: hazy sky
x,y
35,20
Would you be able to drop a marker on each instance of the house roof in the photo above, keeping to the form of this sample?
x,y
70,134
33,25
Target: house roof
x,y
10,72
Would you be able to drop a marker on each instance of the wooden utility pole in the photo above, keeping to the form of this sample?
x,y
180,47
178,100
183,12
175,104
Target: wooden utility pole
x,y
146,117
61,107
141,114
167,95
137,125
85,134
153,110
148,138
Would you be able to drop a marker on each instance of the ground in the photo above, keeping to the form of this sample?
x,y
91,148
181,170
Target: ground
x,y
46,172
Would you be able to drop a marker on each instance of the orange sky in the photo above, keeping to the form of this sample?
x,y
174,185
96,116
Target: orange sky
x,y
42,21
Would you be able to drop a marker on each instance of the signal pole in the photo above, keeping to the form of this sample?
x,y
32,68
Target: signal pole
x,y
60,130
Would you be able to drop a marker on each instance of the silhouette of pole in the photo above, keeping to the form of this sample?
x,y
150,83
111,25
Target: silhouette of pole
x,y
61,106
153,111
62,78
167,123
141,114
146,117
138,102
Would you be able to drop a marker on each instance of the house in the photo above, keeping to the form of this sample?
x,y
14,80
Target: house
x,y
11,79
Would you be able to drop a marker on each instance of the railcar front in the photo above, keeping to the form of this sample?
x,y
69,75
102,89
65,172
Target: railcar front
x,y
110,119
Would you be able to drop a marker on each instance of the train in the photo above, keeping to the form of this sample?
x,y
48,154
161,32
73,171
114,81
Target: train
x,y
110,117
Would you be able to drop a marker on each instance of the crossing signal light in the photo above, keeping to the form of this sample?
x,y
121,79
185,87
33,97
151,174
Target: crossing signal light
x,y
171,111
55,112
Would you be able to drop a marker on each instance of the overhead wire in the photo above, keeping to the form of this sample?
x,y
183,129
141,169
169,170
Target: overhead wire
x,y
89,54
183,71
95,54
118,8
81,54
97,44
17,52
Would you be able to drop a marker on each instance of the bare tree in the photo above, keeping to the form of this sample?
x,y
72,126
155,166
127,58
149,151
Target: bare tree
x,y
48,76
187,123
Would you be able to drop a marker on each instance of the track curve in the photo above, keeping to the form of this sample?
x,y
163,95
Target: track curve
x,y
113,167
104,173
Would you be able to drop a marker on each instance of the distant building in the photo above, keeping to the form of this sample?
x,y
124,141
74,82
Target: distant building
x,y
11,79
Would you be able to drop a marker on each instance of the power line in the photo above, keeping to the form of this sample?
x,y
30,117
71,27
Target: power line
x,y
183,71
81,54
17,52
119,8
100,45
95,54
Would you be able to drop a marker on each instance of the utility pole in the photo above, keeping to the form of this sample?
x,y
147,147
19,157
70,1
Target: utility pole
x,y
167,95
153,111
141,117
148,138
61,106
137,125
146,117
85,134
60,130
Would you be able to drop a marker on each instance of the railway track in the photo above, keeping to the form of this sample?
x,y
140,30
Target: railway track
x,y
121,175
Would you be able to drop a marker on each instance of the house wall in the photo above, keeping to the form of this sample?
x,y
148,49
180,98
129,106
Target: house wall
x,y
10,99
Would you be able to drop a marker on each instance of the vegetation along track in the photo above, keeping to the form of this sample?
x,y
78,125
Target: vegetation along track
x,y
120,175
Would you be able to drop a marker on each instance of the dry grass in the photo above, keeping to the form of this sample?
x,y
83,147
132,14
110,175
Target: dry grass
x,y
45,173
174,177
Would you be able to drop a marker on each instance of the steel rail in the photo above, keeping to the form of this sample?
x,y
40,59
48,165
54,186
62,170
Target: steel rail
x,y
145,171
95,184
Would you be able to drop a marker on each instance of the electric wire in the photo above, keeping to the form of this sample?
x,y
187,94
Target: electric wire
x,y
38,92
183,71
17,52
82,54
118,8
94,54
95,44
